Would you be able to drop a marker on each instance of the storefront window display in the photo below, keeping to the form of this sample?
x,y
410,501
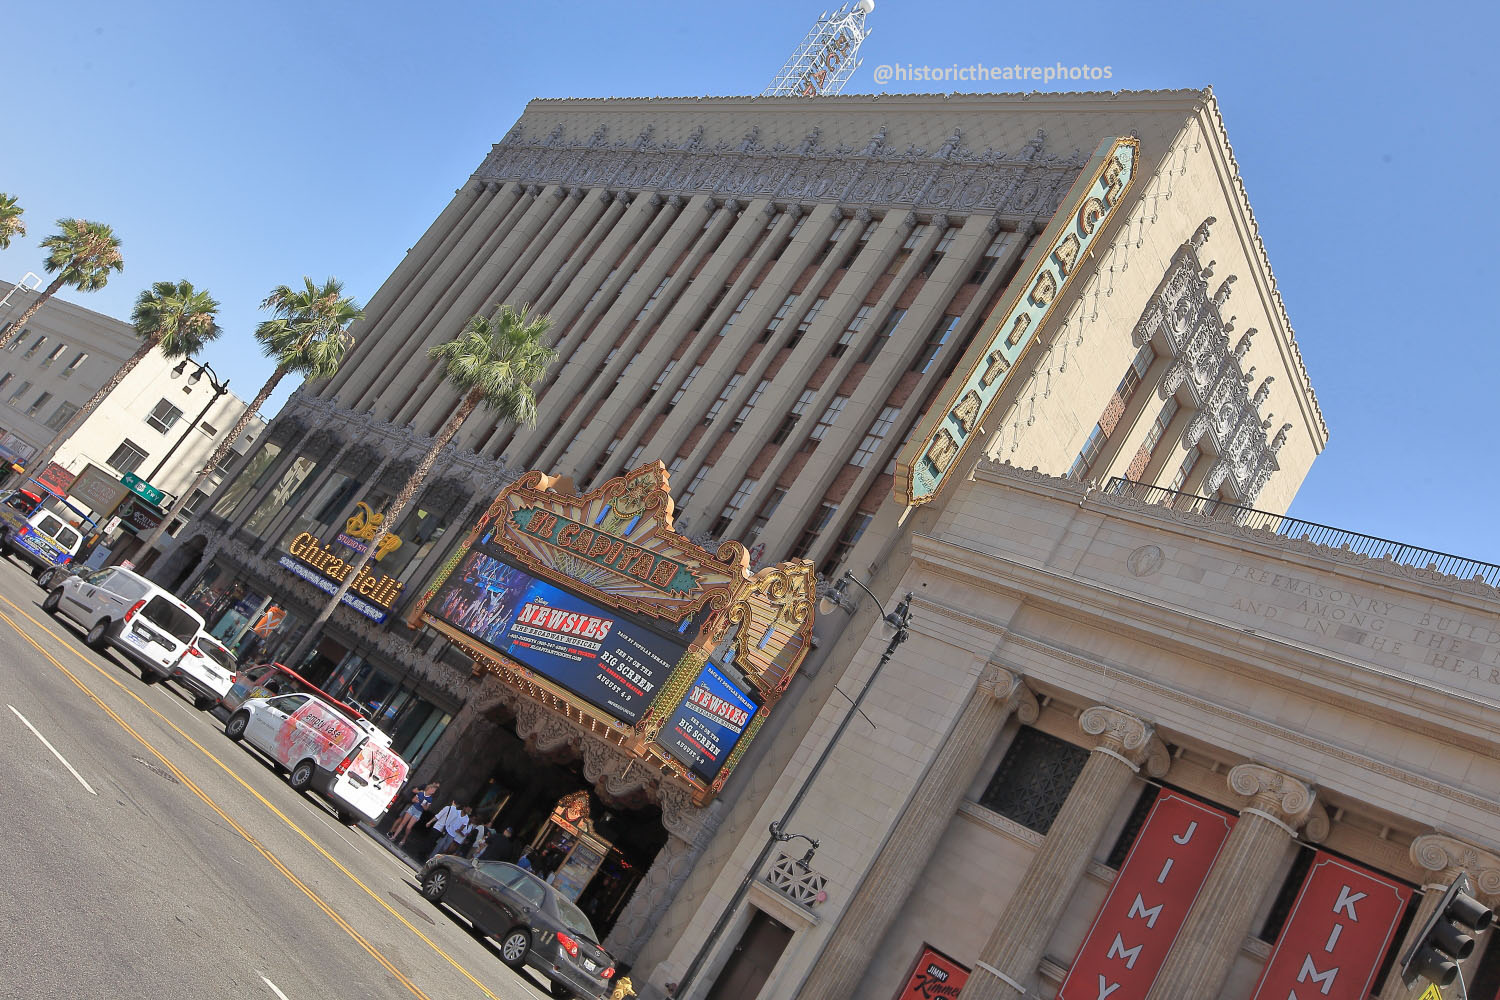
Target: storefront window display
x,y
321,512
421,530
287,494
250,479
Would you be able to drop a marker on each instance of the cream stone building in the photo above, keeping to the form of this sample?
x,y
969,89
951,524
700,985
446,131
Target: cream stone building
x,y
770,296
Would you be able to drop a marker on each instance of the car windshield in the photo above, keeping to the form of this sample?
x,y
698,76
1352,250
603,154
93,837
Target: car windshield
x,y
160,611
217,653
573,918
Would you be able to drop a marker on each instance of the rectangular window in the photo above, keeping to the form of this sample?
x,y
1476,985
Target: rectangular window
x,y
990,258
832,241
51,359
1139,365
1034,778
859,244
602,460
781,311
718,404
918,232
815,525
829,417
692,487
754,397
935,341
1159,427
163,416
14,343
851,332
127,458
763,516
853,531
790,420
74,365
939,251
652,300
1089,455
732,508
5,379
61,416
1185,469
879,428
35,346
635,456
662,377
15,397
208,429
677,396
736,313
194,502
598,291
251,477
807,321
36,406
675,464
882,335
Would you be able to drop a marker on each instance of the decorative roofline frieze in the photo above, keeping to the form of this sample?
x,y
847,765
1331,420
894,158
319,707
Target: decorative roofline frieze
x,y
1025,183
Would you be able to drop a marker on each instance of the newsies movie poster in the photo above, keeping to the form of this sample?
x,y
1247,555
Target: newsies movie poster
x,y
593,605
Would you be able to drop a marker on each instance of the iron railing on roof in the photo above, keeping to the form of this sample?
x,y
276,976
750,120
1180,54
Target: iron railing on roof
x,y
1310,531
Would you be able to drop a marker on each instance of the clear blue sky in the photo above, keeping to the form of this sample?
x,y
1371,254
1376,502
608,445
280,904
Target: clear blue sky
x,y
243,145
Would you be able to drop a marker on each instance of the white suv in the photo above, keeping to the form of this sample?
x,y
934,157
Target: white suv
x,y
125,610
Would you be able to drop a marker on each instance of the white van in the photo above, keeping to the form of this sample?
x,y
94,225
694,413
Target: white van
x,y
127,611
341,757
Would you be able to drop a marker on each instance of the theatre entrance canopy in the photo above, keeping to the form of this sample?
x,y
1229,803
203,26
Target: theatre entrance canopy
x,y
593,606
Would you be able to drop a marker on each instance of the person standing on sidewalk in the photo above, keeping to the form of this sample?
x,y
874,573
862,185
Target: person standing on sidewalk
x,y
453,820
501,846
421,801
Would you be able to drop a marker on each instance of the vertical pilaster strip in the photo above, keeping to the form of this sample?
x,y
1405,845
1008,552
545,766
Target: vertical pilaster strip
x,y
1008,962
1221,916
1444,858
911,843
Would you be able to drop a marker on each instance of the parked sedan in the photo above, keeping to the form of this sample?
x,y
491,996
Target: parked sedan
x,y
533,924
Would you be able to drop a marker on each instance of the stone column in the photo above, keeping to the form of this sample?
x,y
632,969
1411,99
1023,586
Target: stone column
x,y
1220,917
1007,964
1444,859
904,855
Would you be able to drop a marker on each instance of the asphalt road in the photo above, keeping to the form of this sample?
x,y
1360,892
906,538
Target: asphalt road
x,y
148,856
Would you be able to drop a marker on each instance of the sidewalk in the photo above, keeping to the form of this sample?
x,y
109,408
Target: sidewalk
x,y
415,864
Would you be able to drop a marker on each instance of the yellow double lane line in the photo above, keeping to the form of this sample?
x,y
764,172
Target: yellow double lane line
x,y
192,786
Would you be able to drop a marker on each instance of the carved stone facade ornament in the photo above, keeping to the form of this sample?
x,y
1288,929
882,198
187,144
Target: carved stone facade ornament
x,y
1023,183
1447,857
1122,735
1272,793
1188,318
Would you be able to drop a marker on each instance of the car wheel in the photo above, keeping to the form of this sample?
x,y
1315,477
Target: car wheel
x,y
348,818
202,703
51,602
560,991
45,579
36,572
235,727
435,884
514,946
302,776
149,676
98,636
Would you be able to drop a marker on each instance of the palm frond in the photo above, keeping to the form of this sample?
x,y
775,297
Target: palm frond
x,y
83,253
11,223
308,331
181,319
503,360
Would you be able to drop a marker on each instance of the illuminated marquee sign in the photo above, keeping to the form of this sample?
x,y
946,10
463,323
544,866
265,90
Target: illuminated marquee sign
x,y
962,406
604,549
369,594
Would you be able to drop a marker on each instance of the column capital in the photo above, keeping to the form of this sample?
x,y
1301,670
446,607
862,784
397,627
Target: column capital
x,y
1122,735
1448,857
1009,688
1273,794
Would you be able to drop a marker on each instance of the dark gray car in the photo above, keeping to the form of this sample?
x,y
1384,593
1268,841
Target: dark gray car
x,y
532,923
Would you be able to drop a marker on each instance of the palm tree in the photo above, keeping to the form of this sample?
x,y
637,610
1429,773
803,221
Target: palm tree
x,y
172,315
495,363
11,224
81,254
309,334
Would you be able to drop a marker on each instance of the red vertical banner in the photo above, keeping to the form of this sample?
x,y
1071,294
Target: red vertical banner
x,y
1149,901
1336,935
933,975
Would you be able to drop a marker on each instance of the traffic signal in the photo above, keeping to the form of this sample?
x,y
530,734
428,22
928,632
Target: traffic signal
x,y
1447,938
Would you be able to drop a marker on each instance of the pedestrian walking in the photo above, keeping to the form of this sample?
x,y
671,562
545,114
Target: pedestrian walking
x,y
421,801
501,846
481,834
453,820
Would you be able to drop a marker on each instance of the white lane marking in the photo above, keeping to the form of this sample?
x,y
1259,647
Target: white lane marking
x,y
272,986
27,723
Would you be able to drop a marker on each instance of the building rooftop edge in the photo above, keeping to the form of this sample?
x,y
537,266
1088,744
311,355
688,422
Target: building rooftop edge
x,y
1081,492
1161,95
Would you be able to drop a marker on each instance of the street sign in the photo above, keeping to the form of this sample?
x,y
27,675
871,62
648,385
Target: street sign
x,y
101,491
137,517
143,489
55,478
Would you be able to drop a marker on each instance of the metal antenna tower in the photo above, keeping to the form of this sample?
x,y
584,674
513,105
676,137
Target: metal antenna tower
x,y
824,60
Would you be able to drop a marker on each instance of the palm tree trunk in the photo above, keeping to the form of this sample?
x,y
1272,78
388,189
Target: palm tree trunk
x,y
225,443
20,324
45,456
393,513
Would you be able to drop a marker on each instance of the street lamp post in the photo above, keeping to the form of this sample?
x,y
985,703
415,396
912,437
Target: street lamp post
x,y
899,620
220,388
